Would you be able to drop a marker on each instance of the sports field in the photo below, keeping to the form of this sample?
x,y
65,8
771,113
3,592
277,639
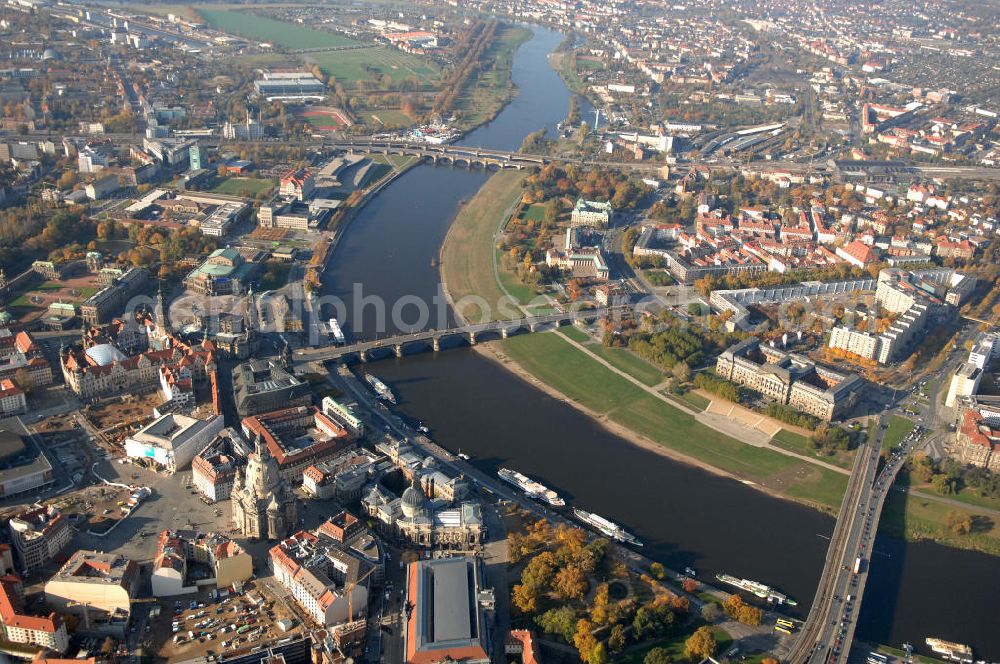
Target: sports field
x,y
279,33
243,186
354,65
322,117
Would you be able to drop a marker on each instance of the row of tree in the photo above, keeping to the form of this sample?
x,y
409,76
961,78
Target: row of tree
x,y
473,44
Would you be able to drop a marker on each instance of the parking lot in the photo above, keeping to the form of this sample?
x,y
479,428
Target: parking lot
x,y
190,626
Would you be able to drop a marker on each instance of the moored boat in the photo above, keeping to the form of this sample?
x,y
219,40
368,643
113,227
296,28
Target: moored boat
x,y
757,588
533,489
381,389
606,527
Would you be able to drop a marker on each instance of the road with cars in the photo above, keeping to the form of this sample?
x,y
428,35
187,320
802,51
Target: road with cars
x,y
828,632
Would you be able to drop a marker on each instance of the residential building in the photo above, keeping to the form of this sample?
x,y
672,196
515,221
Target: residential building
x,y
96,587
328,580
214,469
102,187
342,477
228,562
790,379
172,440
858,254
298,437
39,534
298,184
261,386
48,632
448,622
20,352
965,382
915,298
12,399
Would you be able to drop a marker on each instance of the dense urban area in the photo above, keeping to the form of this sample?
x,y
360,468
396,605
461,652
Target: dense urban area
x,y
323,327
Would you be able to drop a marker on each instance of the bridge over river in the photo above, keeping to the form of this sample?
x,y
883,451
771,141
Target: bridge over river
x,y
438,339
827,634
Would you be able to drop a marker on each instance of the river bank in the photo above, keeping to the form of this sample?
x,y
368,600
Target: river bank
x,y
496,354
468,251
685,515
468,270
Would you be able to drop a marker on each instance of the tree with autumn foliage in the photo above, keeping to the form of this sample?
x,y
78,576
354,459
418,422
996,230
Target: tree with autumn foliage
x,y
738,610
570,583
701,644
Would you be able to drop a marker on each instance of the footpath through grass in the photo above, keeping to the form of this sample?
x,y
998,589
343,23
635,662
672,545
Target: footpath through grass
x,y
796,442
629,362
557,363
916,517
467,254
279,33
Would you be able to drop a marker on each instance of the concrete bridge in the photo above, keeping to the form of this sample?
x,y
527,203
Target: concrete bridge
x,y
436,340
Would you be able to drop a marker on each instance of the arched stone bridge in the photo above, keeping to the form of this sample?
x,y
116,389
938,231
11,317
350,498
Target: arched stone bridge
x,y
402,344
448,155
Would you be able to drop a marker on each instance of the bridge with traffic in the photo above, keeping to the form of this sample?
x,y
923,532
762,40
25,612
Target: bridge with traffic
x,y
470,334
827,634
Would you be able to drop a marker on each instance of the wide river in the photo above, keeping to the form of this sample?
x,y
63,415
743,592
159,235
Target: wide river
x,y
686,516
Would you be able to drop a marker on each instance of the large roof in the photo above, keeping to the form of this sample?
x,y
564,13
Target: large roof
x,y
104,354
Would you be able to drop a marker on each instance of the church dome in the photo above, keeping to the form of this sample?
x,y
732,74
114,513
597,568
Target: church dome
x,y
412,502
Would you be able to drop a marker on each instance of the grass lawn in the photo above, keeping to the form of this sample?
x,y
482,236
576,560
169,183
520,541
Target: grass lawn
x,y
628,362
659,277
468,251
534,212
575,333
795,442
898,428
523,294
966,495
557,363
486,92
694,400
389,118
675,645
349,67
571,372
246,187
394,160
915,517
279,33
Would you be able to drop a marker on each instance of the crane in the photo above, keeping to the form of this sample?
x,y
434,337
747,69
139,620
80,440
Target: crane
x,y
349,589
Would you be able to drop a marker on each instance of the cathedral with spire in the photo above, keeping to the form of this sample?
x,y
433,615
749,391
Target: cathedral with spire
x,y
264,506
